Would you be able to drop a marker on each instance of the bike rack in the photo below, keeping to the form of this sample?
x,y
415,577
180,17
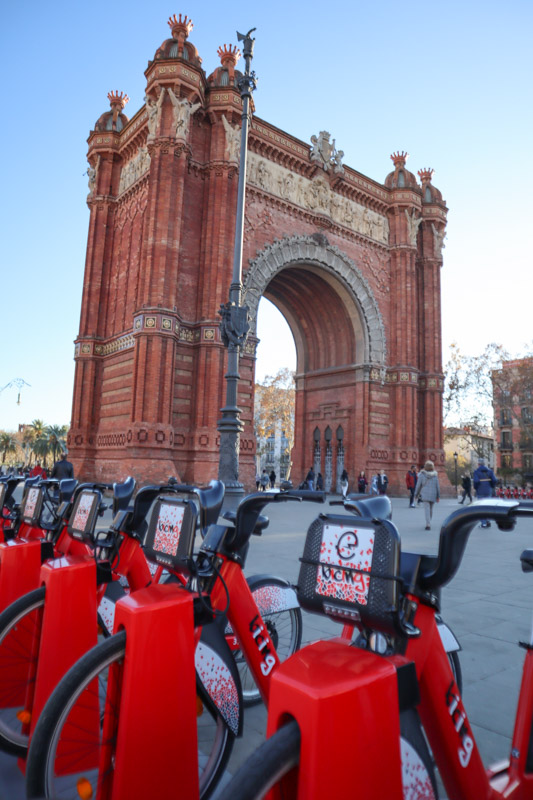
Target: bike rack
x,y
344,703
20,567
158,694
68,627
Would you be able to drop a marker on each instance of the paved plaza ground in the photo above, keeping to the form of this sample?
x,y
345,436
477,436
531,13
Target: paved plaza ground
x,y
488,606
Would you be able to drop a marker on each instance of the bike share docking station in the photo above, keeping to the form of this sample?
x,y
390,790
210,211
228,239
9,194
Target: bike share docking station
x,y
344,707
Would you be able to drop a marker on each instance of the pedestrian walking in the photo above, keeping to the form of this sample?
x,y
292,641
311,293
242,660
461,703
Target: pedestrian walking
x,y
428,490
272,477
319,482
374,485
257,481
265,480
310,478
383,482
466,483
344,483
362,482
410,482
484,484
62,468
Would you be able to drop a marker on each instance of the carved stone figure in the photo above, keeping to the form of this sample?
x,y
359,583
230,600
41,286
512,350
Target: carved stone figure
x,y
153,108
438,241
233,140
182,112
324,153
263,175
413,224
92,174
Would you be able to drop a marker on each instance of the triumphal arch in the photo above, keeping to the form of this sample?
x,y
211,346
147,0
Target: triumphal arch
x,y
353,265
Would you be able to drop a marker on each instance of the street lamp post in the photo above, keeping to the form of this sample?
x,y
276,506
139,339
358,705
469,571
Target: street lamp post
x,y
455,460
234,325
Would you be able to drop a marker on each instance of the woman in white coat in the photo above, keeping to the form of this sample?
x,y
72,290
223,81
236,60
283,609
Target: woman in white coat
x,y
428,489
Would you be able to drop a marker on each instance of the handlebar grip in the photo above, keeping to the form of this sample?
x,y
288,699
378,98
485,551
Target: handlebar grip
x,y
306,494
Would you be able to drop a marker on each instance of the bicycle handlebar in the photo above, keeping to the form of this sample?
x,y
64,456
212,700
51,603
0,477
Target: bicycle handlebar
x,y
249,509
456,530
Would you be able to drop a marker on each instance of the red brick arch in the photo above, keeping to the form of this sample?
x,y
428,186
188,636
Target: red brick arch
x,y
275,273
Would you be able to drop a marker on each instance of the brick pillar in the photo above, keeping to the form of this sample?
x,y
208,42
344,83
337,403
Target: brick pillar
x,y
404,221
87,376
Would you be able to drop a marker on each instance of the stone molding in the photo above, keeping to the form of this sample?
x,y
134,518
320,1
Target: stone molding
x,y
290,251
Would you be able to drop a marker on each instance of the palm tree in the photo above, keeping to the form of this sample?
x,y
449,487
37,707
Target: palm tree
x,y
56,435
7,445
40,445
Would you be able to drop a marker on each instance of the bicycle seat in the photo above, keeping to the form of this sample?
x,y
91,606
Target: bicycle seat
x,y
261,524
210,501
66,489
30,481
122,494
379,507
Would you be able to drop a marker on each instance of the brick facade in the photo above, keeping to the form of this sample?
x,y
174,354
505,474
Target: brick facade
x,y
354,265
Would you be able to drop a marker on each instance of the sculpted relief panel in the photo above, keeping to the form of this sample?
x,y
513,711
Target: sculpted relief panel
x,y
316,195
133,170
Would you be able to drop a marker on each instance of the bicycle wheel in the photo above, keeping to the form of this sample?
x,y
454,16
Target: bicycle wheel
x,y
284,627
20,633
66,756
272,764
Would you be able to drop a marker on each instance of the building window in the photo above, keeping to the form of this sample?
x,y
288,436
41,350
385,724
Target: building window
x,y
224,77
505,417
527,461
401,179
527,416
506,462
506,441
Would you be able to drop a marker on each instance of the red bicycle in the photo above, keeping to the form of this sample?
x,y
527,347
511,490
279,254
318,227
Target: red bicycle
x,y
376,705
222,593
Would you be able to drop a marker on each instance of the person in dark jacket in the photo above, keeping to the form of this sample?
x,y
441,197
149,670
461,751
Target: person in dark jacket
x,y
62,468
410,482
383,482
310,478
484,484
466,483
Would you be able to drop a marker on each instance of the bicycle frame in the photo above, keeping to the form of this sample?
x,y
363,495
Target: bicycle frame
x,y
450,733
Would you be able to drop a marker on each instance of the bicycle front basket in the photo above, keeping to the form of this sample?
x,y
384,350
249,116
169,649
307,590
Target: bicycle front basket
x,y
170,537
82,521
350,571
31,506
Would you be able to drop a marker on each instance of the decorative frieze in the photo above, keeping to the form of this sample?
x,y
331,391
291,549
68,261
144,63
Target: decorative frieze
x,y
316,196
134,169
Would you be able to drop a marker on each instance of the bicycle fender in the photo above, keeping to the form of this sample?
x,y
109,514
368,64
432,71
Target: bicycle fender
x,y
271,595
217,677
113,593
449,642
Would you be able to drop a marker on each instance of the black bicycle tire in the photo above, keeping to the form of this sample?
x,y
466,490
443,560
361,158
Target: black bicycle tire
x,y
12,742
280,754
47,731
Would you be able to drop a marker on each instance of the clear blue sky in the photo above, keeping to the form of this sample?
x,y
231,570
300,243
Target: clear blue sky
x,y
448,82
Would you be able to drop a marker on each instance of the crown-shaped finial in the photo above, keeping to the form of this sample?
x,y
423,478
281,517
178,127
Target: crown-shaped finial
x,y
399,158
116,99
228,54
425,174
179,27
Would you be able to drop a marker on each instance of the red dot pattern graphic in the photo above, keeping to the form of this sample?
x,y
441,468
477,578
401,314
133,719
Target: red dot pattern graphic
x,y
219,684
